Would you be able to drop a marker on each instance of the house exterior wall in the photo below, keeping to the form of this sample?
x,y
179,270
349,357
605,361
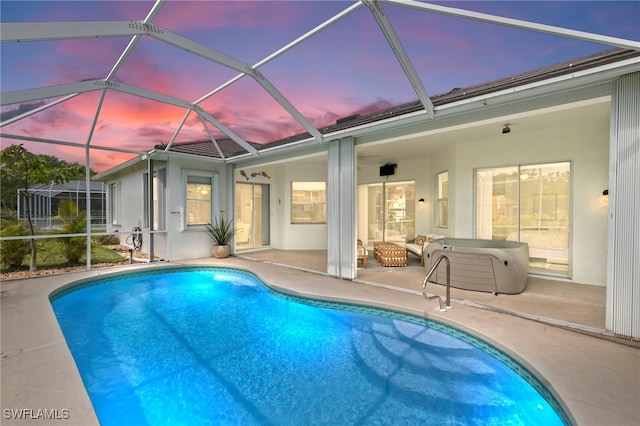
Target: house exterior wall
x,y
128,202
419,170
176,241
585,146
298,236
192,242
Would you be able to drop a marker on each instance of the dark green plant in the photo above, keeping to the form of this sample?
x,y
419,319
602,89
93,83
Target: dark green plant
x,y
21,169
74,222
13,252
221,232
107,240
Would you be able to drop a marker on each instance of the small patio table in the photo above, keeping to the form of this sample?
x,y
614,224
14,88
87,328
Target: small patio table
x,y
390,254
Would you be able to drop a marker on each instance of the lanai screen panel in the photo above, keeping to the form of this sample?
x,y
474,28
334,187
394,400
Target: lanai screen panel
x,y
346,69
452,52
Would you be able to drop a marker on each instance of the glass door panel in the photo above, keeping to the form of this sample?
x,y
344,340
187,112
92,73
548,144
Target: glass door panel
x,y
375,212
545,216
261,215
386,212
244,216
399,211
497,204
529,204
252,215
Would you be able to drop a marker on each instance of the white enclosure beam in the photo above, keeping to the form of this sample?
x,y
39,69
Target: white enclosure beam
x,y
220,58
152,14
288,47
224,129
41,31
87,86
39,93
36,110
401,54
32,31
211,137
177,131
517,23
73,144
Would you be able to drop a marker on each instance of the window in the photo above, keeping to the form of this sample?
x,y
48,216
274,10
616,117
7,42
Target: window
x,y
442,201
308,202
112,209
158,199
199,199
529,204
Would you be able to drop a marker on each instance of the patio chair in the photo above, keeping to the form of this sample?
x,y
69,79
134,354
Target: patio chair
x,y
362,253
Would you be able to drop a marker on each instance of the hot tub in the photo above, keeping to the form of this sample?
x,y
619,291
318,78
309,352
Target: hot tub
x,y
480,265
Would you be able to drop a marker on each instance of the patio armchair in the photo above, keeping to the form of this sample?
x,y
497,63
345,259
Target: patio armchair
x,y
362,253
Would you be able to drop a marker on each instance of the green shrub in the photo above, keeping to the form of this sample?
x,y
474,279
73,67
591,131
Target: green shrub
x,y
107,240
13,252
74,222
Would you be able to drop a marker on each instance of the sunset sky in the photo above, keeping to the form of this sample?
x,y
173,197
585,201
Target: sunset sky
x,y
347,68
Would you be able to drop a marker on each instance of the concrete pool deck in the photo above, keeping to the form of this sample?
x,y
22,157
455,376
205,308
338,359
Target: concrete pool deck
x,y
597,380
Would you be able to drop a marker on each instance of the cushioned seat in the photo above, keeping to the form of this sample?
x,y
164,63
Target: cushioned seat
x,y
417,245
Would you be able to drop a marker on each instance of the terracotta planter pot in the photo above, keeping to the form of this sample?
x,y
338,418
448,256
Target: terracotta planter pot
x,y
220,252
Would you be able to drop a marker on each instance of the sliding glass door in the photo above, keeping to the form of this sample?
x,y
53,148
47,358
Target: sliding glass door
x,y
386,211
252,215
530,204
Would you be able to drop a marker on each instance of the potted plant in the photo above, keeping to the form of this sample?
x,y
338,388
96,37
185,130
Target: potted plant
x,y
221,232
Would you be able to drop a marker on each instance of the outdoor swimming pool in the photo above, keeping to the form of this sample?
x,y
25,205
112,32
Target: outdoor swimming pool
x,y
199,345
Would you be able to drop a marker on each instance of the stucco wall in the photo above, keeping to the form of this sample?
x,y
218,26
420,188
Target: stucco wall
x,y
298,236
585,146
191,242
422,173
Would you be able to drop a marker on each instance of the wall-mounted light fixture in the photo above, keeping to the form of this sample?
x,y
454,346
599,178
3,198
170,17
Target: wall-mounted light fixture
x,y
506,129
421,202
604,198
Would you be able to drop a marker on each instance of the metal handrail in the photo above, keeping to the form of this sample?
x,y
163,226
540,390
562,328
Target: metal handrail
x,y
443,306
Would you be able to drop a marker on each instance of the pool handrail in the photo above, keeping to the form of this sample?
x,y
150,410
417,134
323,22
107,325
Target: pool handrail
x,y
443,306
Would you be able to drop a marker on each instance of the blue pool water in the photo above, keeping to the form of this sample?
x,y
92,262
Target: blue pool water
x,y
196,346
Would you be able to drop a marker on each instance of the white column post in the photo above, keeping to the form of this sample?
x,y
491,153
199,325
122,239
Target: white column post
x,y
341,216
623,268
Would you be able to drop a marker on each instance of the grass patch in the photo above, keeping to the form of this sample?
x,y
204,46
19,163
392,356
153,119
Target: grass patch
x,y
51,255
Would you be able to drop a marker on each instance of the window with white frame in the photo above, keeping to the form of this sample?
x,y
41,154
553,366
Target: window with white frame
x,y
199,198
112,207
308,202
158,199
442,200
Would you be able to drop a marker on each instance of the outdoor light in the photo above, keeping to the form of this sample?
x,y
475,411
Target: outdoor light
x,y
506,129
421,203
604,198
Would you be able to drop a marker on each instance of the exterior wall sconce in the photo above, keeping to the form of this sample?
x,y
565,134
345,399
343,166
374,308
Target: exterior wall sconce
x,y
421,202
604,198
506,129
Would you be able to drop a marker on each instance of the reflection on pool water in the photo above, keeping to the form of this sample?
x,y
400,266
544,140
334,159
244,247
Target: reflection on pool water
x,y
199,346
